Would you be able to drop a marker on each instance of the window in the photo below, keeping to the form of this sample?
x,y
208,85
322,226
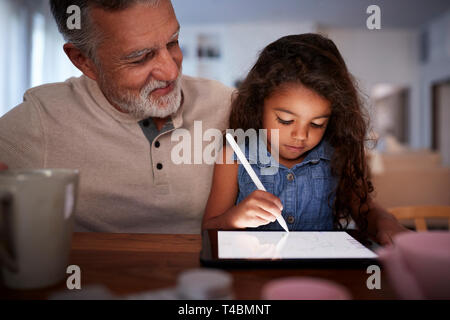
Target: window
x,y
31,53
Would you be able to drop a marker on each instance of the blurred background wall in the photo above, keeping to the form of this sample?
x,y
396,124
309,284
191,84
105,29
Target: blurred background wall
x,y
403,69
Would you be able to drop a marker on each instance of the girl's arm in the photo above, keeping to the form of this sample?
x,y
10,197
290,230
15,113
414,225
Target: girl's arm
x,y
257,209
382,226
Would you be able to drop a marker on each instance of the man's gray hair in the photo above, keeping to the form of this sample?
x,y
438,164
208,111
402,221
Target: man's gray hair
x,y
88,37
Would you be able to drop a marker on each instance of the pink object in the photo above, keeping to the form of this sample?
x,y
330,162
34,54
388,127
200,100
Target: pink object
x,y
418,266
298,288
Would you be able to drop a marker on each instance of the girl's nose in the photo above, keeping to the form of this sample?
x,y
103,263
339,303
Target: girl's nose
x,y
300,133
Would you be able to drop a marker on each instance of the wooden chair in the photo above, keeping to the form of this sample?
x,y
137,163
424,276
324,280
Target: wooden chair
x,y
419,213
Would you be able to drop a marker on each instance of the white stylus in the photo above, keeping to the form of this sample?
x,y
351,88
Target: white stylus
x,y
251,173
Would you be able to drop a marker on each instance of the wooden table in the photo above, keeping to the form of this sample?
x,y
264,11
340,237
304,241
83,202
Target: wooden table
x,y
133,263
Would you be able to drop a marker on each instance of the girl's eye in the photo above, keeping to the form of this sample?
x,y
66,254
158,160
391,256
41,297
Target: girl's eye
x,y
285,122
319,126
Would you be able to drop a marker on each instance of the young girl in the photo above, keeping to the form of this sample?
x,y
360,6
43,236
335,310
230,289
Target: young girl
x,y
300,85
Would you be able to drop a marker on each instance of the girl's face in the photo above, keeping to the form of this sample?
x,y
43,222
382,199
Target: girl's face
x,y
301,116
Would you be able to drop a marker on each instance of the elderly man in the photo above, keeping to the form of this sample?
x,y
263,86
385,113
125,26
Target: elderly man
x,y
114,123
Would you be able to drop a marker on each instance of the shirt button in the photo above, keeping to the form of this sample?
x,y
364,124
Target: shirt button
x,y
157,144
146,123
314,161
291,219
159,166
290,176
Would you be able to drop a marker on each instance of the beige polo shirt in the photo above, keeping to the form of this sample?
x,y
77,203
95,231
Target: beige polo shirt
x,y
126,184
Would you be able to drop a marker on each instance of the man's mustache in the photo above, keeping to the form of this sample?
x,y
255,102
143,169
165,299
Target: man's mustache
x,y
157,84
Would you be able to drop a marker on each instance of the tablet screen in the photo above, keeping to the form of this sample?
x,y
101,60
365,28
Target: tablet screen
x,y
292,245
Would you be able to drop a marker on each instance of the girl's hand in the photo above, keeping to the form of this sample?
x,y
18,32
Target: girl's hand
x,y
258,209
386,235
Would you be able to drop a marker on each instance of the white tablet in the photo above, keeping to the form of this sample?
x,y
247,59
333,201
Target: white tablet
x,y
279,247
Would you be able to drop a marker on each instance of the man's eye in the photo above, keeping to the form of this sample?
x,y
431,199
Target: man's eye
x,y
285,122
139,61
147,57
173,44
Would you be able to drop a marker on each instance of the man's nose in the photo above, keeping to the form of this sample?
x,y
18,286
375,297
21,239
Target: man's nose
x,y
166,68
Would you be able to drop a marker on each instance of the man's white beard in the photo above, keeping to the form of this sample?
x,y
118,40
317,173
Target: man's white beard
x,y
144,105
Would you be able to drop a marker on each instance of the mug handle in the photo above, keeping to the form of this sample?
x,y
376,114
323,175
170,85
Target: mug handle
x,y
6,240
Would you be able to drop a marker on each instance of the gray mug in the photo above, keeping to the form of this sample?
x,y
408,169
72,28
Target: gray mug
x,y
36,224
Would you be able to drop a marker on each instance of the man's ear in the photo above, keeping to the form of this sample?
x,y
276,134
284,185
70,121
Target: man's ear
x,y
85,64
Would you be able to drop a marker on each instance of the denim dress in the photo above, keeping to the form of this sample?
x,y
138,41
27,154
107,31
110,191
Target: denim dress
x,y
304,189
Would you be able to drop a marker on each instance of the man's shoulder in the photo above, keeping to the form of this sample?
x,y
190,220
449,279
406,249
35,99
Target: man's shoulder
x,y
58,90
47,97
205,86
208,100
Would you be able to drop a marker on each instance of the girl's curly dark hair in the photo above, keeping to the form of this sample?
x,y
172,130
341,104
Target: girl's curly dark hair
x,y
314,61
